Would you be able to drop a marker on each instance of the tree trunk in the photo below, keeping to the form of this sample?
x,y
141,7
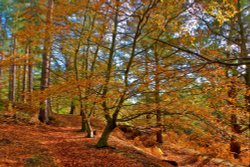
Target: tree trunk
x,y
24,84
12,75
86,126
247,79
24,77
244,53
30,77
111,123
159,137
89,130
1,57
44,110
235,146
1,72
84,118
103,141
72,107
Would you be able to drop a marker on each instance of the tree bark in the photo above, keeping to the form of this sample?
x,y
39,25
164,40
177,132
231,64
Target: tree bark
x,y
1,73
103,141
12,75
30,77
72,107
44,109
24,77
86,126
1,56
243,53
159,137
24,84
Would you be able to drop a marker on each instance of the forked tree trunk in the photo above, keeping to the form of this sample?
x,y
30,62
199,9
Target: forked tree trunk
x,y
86,126
89,130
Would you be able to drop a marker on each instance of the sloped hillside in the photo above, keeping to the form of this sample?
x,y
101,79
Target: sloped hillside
x,y
43,145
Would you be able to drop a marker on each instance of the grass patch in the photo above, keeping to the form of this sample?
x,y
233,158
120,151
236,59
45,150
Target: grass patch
x,y
41,160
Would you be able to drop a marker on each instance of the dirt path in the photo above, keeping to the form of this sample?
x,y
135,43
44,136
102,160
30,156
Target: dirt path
x,y
40,145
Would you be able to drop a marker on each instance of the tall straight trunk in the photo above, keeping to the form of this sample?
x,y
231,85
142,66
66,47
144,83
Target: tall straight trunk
x,y
1,57
24,81
44,109
159,137
1,84
244,53
49,99
30,76
18,83
12,75
147,80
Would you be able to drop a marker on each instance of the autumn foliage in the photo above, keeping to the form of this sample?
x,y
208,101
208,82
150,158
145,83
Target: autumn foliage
x,y
160,74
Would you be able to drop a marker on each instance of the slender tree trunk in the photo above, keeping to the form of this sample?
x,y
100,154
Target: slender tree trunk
x,y
84,118
19,83
44,109
147,81
24,81
159,137
85,126
1,84
24,84
12,75
30,76
1,57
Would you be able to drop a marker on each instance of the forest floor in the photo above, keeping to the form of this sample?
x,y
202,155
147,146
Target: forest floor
x,y
31,145
45,145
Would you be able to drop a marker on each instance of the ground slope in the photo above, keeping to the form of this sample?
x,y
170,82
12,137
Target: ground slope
x,y
43,145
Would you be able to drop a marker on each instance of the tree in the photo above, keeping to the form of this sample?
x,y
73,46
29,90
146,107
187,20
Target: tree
x,y
44,110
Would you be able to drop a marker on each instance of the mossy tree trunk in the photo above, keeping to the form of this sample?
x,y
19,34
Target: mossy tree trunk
x,y
103,141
